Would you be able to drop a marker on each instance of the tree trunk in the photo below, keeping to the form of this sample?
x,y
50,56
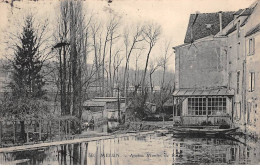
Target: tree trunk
x,y
23,135
151,83
145,70
110,57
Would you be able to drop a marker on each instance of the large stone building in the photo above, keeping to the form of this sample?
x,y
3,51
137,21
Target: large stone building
x,y
201,94
216,70
243,39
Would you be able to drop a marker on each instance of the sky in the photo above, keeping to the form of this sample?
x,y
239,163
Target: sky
x,y
172,15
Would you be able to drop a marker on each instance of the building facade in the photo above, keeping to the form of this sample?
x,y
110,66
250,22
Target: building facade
x,y
202,96
224,61
243,59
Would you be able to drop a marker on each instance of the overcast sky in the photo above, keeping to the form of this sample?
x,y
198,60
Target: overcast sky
x,y
172,15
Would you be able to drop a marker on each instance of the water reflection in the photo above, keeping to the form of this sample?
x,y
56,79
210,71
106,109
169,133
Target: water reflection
x,y
148,149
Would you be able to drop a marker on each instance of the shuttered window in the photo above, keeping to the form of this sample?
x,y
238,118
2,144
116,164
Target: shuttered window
x,y
251,83
251,46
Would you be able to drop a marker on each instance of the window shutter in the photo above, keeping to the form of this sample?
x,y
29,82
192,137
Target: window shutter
x,y
249,82
253,46
247,47
253,81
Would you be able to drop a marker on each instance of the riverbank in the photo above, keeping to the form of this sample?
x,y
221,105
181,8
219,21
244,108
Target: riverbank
x,y
127,129
73,141
144,126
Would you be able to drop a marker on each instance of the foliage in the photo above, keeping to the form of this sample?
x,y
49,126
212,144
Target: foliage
x,y
138,104
27,80
24,108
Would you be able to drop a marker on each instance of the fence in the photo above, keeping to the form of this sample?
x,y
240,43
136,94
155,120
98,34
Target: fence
x,y
35,130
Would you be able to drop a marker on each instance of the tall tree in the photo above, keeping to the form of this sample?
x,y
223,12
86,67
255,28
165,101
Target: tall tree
x,y
130,42
73,43
151,35
27,78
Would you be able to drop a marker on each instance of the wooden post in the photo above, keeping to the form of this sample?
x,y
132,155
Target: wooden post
x,y
14,131
59,129
69,127
207,112
173,109
50,130
40,130
1,125
27,136
47,128
66,128
26,130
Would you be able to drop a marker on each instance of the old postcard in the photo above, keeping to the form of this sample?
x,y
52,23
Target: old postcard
x,y
129,82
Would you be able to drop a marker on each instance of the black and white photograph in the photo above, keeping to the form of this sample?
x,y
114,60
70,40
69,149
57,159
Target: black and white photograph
x,y
129,82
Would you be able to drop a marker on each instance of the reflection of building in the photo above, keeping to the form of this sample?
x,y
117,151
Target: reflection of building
x,y
213,151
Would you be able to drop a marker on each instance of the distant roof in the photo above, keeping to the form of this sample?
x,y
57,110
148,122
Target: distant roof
x,y
253,30
90,103
108,99
204,92
206,24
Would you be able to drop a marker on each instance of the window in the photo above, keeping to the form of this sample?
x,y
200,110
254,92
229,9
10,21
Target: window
x,y
251,46
251,81
197,106
238,29
216,105
238,110
204,106
238,77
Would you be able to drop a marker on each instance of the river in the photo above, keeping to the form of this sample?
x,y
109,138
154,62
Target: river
x,y
143,149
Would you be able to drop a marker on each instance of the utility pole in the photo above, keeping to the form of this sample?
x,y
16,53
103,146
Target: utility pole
x,y
118,102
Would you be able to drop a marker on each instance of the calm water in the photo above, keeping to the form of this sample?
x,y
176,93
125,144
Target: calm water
x,y
148,149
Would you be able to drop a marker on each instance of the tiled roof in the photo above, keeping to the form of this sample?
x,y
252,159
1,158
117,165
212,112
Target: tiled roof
x,y
200,28
204,92
247,11
253,30
232,29
244,22
238,12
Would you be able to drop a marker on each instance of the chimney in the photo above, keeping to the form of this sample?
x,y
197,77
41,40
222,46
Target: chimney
x,y
220,20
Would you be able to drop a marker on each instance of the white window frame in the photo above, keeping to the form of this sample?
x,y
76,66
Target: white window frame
x,y
251,46
251,81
